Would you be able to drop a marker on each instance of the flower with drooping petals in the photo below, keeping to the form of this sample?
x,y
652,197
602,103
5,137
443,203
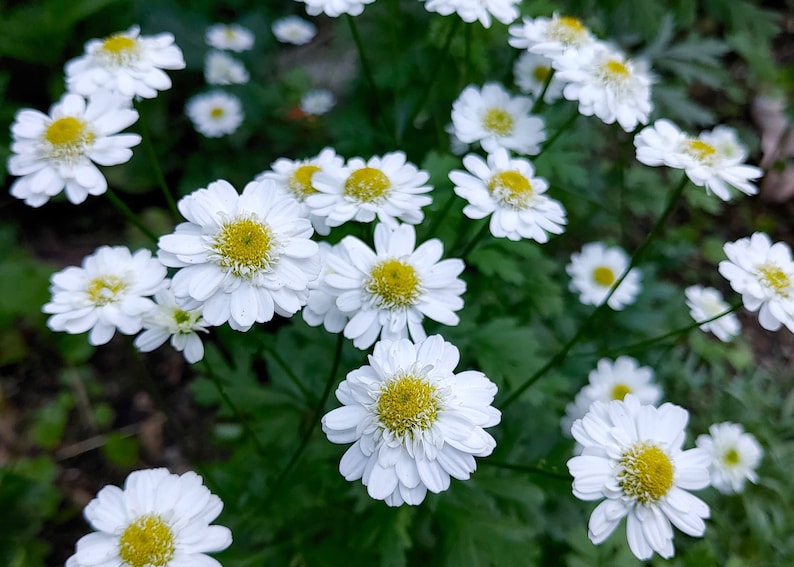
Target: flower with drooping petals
x,y
705,303
734,454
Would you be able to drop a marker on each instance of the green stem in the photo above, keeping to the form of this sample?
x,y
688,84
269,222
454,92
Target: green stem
x,y
440,216
547,144
539,102
155,163
130,216
527,469
558,357
307,395
474,241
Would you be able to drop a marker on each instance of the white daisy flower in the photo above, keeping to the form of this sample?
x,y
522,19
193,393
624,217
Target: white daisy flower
x,y
169,320
125,63
594,272
317,102
530,73
612,380
58,152
764,274
507,190
734,456
230,37
388,292
222,69
497,120
335,8
714,160
321,307
550,36
109,292
243,257
215,114
707,302
413,422
470,11
386,188
157,519
632,459
606,84
294,30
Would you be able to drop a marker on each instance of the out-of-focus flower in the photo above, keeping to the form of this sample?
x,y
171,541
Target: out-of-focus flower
x,y
317,102
215,114
734,456
594,272
470,11
707,302
231,37
294,30
222,69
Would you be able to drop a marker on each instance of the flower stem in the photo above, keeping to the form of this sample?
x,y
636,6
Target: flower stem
x,y
307,395
440,216
527,469
474,241
130,216
559,356
539,102
547,144
155,163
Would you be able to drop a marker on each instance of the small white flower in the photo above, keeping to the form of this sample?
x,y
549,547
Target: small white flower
x,y
413,422
707,302
296,177
109,292
317,102
764,274
594,272
495,119
734,456
386,188
476,10
243,257
57,152
215,114
530,73
389,291
157,519
321,307
507,190
125,63
169,320
550,36
222,69
231,37
294,30
613,380
335,8
714,160
632,461
606,84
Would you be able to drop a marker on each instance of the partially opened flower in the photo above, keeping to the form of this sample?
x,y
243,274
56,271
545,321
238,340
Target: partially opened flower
x,y
550,37
470,11
58,151
215,114
335,8
294,30
705,303
223,69
632,460
734,454
413,421
596,269
109,292
125,63
231,37
157,520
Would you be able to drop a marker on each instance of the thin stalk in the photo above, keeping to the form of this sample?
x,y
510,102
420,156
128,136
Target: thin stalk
x,y
130,216
155,163
527,469
547,144
307,395
440,216
474,241
539,102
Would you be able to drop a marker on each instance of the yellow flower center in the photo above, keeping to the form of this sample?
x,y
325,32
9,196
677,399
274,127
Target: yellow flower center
x,y
147,542
566,30
619,391
699,149
68,136
615,70
775,278
731,457
105,289
367,185
245,247
541,73
300,183
394,284
511,188
498,121
604,276
119,48
407,405
217,112
229,32
646,473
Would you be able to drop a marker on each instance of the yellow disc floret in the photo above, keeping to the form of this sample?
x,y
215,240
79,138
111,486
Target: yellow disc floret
x,y
217,112
731,457
700,150
511,188
367,185
119,48
300,182
614,70
394,284
646,473
498,121
619,391
407,404
105,289
68,137
541,73
245,247
775,278
604,276
147,542
566,30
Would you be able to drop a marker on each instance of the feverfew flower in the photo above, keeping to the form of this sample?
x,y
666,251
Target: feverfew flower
x,y
764,274
613,380
497,120
607,85
157,519
110,291
594,272
169,320
294,30
321,306
707,302
243,257
223,69
476,10
317,102
413,422
388,292
734,456
335,8
215,114
530,73
57,152
387,187
507,190
231,37
632,459
550,36
125,63
714,160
